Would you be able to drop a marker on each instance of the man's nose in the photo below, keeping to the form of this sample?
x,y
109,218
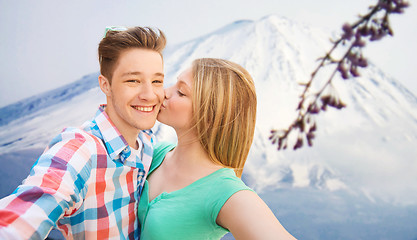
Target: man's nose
x,y
147,92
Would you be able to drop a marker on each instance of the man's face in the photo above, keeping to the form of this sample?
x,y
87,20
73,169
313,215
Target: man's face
x,y
136,92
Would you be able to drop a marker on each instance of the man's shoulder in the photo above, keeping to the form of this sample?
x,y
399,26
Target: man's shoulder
x,y
77,137
73,146
81,133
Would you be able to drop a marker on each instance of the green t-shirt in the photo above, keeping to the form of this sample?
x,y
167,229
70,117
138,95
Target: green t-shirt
x,y
190,212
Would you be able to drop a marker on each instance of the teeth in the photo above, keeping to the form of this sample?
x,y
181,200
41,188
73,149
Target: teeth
x,y
143,109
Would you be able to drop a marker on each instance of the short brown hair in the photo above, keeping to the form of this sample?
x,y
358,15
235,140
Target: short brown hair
x,y
224,109
115,42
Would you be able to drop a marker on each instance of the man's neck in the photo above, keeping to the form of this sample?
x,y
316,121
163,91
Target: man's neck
x,y
130,138
129,133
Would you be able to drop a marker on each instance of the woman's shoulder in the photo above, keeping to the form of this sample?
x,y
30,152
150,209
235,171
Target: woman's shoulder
x,y
223,186
159,152
162,147
228,174
226,183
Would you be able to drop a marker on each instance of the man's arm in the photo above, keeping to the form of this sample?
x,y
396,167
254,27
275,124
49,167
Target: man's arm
x,y
53,189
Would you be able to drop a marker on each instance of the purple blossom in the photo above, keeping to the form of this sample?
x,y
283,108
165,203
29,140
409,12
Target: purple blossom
x,y
372,26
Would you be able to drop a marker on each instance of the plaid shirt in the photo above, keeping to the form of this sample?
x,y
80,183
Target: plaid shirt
x,y
86,184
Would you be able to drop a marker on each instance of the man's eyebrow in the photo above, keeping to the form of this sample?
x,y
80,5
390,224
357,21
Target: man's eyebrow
x,y
131,73
158,74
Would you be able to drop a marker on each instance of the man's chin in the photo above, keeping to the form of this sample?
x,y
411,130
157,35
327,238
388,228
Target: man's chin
x,y
146,126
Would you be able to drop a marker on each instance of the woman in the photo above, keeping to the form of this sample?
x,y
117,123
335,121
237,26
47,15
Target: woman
x,y
194,190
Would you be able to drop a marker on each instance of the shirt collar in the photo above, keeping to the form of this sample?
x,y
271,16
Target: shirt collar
x,y
114,141
116,144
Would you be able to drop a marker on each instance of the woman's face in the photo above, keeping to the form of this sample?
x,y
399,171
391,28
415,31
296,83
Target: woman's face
x,y
176,109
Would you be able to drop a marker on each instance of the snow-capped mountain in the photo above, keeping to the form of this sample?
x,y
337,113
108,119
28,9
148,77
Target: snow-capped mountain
x,y
366,150
355,148
377,130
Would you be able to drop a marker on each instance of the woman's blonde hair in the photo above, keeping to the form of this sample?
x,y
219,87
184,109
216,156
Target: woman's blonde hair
x,y
224,108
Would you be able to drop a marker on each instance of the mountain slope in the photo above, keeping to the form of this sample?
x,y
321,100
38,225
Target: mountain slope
x,y
377,131
35,103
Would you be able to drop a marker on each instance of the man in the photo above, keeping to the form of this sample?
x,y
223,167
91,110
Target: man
x,y
88,181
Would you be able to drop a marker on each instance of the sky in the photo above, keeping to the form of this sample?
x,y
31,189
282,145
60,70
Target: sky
x,y
45,44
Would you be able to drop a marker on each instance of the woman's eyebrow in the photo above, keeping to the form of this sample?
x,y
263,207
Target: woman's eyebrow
x,y
180,83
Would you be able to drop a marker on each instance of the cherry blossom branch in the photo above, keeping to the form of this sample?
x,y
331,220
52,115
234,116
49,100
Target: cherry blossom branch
x,y
372,26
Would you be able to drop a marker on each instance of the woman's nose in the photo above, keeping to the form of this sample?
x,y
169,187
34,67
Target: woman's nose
x,y
168,92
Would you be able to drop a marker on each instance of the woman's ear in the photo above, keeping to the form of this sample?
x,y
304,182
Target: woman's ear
x,y
104,85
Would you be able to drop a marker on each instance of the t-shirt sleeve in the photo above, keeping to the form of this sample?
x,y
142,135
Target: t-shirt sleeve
x,y
222,191
55,187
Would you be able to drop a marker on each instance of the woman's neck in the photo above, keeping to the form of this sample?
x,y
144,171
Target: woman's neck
x,y
190,154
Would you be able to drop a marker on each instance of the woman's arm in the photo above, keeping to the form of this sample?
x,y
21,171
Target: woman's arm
x,y
247,216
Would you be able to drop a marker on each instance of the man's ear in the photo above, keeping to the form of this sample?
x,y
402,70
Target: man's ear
x,y
104,85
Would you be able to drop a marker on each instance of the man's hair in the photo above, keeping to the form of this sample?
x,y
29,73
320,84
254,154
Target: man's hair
x,y
115,42
224,109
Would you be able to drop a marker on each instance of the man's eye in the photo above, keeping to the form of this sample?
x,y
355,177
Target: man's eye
x,y
132,81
